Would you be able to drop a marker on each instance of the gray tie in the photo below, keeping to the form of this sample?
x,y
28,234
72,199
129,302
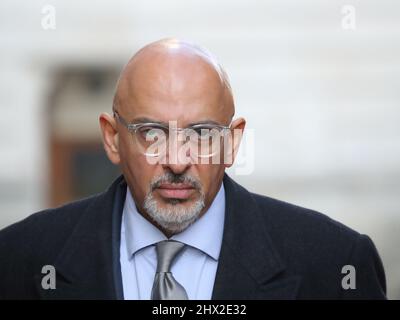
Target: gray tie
x,y
165,286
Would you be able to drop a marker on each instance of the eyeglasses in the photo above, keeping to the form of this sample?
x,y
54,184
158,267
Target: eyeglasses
x,y
203,140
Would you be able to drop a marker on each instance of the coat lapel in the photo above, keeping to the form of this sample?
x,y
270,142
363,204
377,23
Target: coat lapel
x,y
88,266
249,266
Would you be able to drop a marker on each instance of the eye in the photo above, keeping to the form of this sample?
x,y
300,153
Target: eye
x,y
150,133
206,132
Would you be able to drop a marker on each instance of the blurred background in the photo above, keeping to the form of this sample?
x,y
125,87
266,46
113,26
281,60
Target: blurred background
x,y
317,81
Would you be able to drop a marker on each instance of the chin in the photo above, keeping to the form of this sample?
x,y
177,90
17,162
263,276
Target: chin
x,y
174,215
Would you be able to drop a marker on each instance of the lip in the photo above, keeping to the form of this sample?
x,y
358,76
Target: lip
x,y
175,191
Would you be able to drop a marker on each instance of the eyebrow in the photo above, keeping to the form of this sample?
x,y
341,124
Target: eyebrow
x,y
146,120
207,121
149,120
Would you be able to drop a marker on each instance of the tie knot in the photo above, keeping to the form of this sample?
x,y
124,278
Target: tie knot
x,y
166,253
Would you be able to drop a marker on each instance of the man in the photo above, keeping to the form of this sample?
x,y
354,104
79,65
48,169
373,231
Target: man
x,y
175,227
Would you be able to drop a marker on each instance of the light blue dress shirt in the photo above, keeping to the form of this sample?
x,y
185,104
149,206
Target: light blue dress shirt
x,y
195,269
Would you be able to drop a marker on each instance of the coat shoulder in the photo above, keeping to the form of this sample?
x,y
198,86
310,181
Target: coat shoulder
x,y
317,247
281,215
48,227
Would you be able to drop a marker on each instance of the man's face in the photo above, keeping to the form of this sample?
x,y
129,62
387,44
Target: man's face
x,y
173,193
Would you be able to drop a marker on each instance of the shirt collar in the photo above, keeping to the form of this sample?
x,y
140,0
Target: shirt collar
x,y
205,234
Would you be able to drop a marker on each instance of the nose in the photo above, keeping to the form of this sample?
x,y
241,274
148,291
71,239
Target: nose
x,y
178,158
177,168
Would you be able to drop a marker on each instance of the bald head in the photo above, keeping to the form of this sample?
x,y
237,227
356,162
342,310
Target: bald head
x,y
175,74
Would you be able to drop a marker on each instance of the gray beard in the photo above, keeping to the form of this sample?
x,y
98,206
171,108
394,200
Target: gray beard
x,y
174,217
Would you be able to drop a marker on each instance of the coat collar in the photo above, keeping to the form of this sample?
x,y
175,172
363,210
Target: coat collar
x,y
249,267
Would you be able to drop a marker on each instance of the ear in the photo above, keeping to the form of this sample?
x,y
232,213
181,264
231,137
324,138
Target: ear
x,y
110,137
237,129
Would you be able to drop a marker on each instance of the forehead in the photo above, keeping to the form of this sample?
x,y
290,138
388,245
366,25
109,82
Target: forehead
x,y
182,88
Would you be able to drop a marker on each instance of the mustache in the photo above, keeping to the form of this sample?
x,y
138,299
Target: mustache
x,y
171,178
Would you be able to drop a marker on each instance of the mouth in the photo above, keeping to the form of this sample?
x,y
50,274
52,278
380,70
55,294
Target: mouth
x,y
180,191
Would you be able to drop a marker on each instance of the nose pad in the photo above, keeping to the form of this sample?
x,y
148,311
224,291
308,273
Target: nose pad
x,y
177,155
179,148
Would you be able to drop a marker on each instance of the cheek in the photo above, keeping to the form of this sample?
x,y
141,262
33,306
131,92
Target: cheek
x,y
209,176
139,173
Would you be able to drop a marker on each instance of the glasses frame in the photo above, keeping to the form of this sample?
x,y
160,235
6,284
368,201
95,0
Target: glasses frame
x,y
133,127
